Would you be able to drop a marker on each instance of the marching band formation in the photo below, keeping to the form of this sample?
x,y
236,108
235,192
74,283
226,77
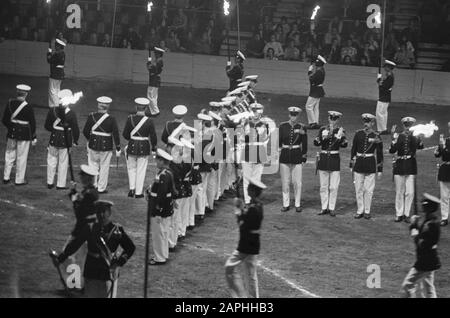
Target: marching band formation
x,y
228,148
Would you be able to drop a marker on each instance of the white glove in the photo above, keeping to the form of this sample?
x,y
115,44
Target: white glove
x,y
49,50
325,134
379,175
149,59
34,142
118,153
229,63
379,76
310,68
414,232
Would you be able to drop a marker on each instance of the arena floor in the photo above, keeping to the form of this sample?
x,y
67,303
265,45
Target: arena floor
x,y
303,255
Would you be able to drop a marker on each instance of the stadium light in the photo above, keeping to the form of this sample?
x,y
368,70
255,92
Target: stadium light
x,y
315,11
226,7
149,6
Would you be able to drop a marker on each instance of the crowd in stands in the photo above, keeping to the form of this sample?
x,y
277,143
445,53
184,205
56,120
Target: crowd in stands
x,y
199,26
339,40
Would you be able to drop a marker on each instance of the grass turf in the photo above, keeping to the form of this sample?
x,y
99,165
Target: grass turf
x,y
326,256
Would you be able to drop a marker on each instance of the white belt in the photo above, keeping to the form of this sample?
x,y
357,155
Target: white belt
x,y
99,133
155,195
60,128
405,157
257,144
334,152
365,155
59,66
291,147
139,138
20,122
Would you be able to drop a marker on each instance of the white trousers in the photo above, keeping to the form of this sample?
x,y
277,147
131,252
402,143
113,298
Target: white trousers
x,y
54,86
137,169
312,110
404,194
57,160
291,174
415,277
329,185
445,198
211,188
16,153
252,171
159,228
152,95
236,282
364,186
194,203
94,288
101,161
175,222
222,179
382,116
202,196
183,221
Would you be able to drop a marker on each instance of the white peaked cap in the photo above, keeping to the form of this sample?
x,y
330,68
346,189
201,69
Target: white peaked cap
x,y
142,101
89,170
180,110
23,88
257,183
104,100
162,154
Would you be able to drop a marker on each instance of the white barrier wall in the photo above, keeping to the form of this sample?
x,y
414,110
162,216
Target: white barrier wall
x,y
203,71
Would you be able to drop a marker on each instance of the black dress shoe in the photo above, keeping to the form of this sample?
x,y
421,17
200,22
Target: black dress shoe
x,y
103,192
199,218
398,219
444,223
285,209
172,249
6,181
181,237
50,186
332,213
407,219
190,228
131,194
298,209
208,210
140,196
62,188
358,216
155,263
367,216
323,212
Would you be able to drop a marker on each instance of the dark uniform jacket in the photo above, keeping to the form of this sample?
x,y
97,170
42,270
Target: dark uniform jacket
x,y
255,143
56,61
329,159
250,221
316,81
181,178
161,194
155,71
293,141
23,125
103,137
83,207
426,245
235,74
54,125
168,130
100,258
444,169
367,149
139,143
405,148
385,88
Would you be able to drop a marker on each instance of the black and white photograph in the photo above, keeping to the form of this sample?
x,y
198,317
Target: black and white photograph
x,y
200,151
